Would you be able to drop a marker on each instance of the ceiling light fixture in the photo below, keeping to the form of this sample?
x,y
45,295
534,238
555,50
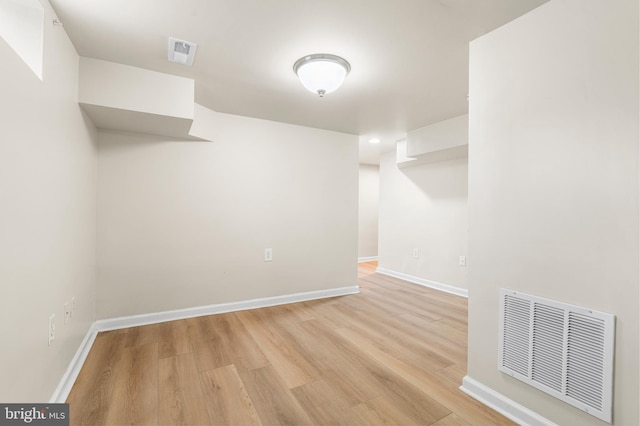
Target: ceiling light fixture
x,y
321,73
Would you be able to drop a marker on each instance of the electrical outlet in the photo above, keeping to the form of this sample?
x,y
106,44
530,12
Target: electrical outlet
x,y
67,312
416,253
52,328
268,255
462,261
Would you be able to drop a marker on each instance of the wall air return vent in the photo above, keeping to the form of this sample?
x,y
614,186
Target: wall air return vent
x,y
181,52
563,350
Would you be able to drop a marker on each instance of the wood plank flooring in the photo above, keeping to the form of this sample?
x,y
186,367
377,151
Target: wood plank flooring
x,y
394,354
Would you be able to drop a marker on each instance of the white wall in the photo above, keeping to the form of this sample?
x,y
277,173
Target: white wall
x,y
369,196
125,87
442,135
424,207
21,28
47,217
553,172
185,224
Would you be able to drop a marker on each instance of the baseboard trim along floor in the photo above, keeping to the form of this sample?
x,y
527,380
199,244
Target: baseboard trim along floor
x,y
70,376
424,282
502,404
68,379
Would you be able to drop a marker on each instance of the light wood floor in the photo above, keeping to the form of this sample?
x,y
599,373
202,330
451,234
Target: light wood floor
x,y
393,354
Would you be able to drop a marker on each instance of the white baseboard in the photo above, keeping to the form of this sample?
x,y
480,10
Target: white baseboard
x,y
198,311
423,282
367,259
503,405
69,378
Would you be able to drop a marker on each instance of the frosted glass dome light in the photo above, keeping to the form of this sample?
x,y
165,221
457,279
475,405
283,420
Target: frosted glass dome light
x,y
321,73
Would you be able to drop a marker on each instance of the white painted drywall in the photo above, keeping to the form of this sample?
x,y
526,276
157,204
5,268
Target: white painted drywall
x,y
47,217
368,196
186,224
21,27
424,207
553,182
451,133
128,88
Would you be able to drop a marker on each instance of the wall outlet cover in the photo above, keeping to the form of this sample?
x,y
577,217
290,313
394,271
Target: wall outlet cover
x,y
67,312
52,328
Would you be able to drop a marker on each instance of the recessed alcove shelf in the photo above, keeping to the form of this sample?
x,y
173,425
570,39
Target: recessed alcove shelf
x,y
445,140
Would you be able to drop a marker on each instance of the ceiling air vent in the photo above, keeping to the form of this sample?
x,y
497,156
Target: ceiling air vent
x,y
181,52
563,350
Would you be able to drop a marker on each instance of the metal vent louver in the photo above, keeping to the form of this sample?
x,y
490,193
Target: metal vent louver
x,y
546,356
585,353
516,332
561,349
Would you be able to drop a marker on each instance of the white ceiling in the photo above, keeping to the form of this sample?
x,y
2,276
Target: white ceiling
x,y
409,58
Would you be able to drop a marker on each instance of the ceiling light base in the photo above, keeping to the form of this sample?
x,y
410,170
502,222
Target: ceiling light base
x,y
321,73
